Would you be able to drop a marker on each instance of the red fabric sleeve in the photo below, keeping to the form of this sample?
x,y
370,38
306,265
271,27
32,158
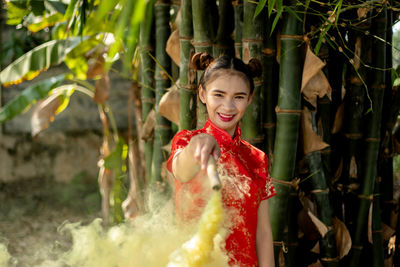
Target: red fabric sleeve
x,y
180,141
269,189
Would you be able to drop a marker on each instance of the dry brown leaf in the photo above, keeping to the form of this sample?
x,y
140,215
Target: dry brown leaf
x,y
44,113
176,24
316,249
370,212
311,141
338,123
148,126
387,232
246,52
353,168
102,89
343,239
338,172
97,68
357,55
278,47
169,104
167,147
316,264
314,83
173,47
362,12
322,228
306,226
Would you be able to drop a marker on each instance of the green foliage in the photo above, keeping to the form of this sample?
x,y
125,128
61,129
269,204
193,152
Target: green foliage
x,y
29,96
37,60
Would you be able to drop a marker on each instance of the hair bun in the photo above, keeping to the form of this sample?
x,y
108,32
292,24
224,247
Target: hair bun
x,y
201,60
255,67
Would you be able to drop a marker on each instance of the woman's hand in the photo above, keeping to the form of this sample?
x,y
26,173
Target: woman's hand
x,y
202,146
194,157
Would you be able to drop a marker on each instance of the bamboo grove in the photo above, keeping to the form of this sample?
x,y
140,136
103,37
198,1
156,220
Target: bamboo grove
x,y
324,111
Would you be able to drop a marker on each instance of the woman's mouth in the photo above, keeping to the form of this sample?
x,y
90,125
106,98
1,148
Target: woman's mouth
x,y
225,117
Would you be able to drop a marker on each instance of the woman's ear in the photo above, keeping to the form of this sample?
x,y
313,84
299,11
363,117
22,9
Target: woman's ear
x,y
250,98
202,94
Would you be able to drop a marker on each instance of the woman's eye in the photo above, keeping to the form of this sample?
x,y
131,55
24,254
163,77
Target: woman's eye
x,y
218,95
239,97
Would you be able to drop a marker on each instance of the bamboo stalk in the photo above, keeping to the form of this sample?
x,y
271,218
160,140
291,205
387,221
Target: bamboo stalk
x,y
223,44
320,191
202,41
238,10
147,80
187,77
269,93
162,131
372,133
288,118
252,45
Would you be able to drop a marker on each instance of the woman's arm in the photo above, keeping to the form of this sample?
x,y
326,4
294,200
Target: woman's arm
x,y
265,251
194,157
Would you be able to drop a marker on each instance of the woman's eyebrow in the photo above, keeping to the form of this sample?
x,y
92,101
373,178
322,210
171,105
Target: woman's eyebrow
x,y
218,91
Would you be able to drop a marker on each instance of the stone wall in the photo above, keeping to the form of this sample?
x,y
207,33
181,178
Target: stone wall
x,y
69,146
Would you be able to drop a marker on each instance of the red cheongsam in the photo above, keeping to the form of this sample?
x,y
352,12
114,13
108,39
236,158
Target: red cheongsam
x,y
243,170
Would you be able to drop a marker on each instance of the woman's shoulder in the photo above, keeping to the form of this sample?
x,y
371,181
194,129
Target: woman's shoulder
x,y
252,150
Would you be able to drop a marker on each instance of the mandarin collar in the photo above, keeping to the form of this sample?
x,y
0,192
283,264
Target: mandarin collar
x,y
224,140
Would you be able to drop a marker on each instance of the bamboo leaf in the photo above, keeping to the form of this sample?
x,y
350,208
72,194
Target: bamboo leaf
x,y
70,9
46,22
259,8
293,13
37,60
321,38
15,13
30,95
278,15
115,158
271,4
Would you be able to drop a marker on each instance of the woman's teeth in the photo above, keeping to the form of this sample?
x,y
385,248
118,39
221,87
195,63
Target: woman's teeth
x,y
225,117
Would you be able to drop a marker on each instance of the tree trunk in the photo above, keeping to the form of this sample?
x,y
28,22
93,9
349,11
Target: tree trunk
x,y
162,131
187,76
372,134
288,118
238,9
203,30
223,42
253,30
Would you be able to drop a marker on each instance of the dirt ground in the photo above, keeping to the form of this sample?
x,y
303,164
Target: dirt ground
x,y
32,211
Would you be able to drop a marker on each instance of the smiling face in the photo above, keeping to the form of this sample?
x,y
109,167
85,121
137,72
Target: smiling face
x,y
226,98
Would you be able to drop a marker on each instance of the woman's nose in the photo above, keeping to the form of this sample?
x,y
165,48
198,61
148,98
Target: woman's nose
x,y
229,104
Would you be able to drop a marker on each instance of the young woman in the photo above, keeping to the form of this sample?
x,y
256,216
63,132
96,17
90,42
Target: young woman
x,y
226,88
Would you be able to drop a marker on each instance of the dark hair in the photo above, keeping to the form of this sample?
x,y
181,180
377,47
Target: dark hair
x,y
213,67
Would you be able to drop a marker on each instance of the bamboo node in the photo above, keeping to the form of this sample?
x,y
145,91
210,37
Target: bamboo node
x,y
254,40
370,197
281,244
291,111
330,259
293,183
269,125
201,44
148,100
354,136
288,36
185,38
320,191
188,87
357,247
373,140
